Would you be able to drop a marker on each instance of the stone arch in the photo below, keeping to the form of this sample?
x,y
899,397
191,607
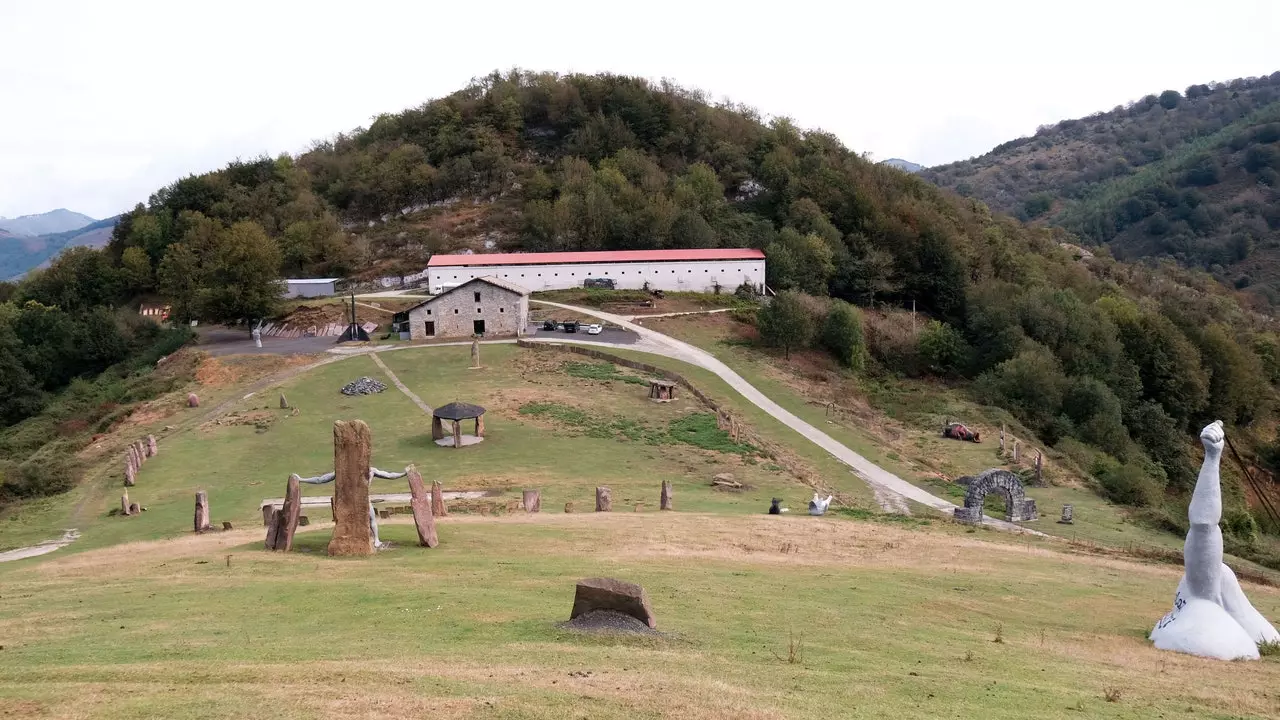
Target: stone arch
x,y
1018,507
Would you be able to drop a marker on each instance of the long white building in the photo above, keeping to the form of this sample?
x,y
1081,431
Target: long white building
x,y
700,270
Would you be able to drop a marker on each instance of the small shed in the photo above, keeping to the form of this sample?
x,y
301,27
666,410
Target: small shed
x,y
662,390
311,287
456,412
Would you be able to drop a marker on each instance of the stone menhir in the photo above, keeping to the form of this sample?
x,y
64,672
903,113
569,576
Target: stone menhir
x,y
124,503
1211,616
423,518
153,447
609,594
604,499
438,508
532,501
475,354
130,473
1067,511
201,522
193,400
352,446
666,499
284,404
1018,507
280,533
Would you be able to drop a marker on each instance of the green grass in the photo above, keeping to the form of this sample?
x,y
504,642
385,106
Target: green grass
x,y
601,371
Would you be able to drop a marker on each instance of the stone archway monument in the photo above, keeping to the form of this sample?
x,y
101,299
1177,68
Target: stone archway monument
x,y
1018,507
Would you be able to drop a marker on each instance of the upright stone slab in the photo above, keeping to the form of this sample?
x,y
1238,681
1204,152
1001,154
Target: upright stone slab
x,y
604,499
280,533
284,404
437,500
202,512
141,445
1017,452
134,509
266,515
594,594
532,501
130,474
351,451
272,521
1067,512
193,400
475,354
665,500
153,447
423,518
1039,469
124,503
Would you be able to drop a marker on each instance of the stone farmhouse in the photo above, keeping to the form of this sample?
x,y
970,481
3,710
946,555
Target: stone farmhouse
x,y
483,306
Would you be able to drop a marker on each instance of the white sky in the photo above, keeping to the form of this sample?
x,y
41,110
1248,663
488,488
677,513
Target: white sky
x,y
101,103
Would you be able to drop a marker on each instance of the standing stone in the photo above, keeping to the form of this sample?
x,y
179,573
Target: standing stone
x,y
130,474
457,433
193,400
568,507
437,500
226,524
134,509
351,450
1039,468
280,533
1067,511
594,594
423,518
153,447
266,516
124,503
272,521
532,501
284,404
142,451
604,499
1002,440
202,511
475,353
1017,451
665,501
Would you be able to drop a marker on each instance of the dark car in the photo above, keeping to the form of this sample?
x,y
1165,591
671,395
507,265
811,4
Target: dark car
x,y
548,324
571,326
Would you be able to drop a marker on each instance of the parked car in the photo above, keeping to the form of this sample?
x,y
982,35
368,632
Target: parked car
x,y
571,326
549,325
601,283
594,329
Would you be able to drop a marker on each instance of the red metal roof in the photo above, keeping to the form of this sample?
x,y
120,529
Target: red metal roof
x,y
613,256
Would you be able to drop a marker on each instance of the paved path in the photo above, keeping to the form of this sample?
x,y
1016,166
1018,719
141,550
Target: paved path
x,y
39,549
873,474
677,314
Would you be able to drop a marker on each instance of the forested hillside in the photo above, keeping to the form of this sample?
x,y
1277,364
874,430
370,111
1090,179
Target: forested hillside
x,y
1192,175
1114,362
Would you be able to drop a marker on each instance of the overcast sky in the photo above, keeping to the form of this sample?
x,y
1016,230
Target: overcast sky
x,y
101,103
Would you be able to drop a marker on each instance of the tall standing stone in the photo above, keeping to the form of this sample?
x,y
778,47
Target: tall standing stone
x,y
193,400
1039,468
437,500
284,404
124,503
532,501
202,512
153,447
1002,440
423,518
665,501
130,473
141,446
475,353
280,533
1017,452
1067,512
604,499
351,451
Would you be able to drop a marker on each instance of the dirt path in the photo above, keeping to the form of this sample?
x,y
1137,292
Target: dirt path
x,y
39,549
403,388
871,473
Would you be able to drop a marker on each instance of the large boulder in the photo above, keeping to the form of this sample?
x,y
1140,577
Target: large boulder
x,y
609,594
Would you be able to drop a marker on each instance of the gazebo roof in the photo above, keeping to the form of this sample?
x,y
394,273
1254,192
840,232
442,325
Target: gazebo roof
x,y
458,411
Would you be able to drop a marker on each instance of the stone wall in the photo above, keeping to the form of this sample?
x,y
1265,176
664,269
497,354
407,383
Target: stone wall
x,y
1018,507
505,313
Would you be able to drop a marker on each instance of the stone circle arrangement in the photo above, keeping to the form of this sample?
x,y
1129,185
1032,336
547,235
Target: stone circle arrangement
x,y
363,386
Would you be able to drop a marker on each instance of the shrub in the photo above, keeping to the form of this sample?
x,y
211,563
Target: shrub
x,y
891,342
1127,484
942,348
786,322
842,335
1030,385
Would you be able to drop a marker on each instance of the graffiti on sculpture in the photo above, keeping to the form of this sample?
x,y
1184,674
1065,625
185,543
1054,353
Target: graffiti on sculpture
x,y
1018,507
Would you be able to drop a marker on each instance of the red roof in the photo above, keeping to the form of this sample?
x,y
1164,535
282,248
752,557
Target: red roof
x,y
565,258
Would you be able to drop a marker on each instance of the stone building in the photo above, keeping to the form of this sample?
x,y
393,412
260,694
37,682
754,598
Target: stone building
x,y
483,306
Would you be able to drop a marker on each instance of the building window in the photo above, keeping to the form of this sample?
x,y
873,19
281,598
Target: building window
x,y
521,274
502,310
479,310
557,274
477,297
455,311
455,277
428,311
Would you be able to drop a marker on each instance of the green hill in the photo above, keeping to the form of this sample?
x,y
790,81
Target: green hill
x,y
1194,176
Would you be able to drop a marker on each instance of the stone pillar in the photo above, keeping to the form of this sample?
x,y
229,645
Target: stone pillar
x,y
664,502
124,503
457,434
130,474
532,501
423,518
266,516
1017,451
475,353
193,400
437,429
134,508
480,426
568,507
142,451
1001,439
284,404
437,500
153,448
351,451
280,533
1067,512
1039,468
604,499
202,511
272,521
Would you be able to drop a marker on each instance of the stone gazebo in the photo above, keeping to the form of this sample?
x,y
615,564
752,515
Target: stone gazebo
x,y
456,412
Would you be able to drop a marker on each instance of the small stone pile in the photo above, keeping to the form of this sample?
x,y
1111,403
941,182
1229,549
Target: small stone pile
x,y
363,386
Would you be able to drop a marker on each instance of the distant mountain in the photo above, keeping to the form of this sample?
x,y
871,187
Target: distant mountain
x,y
21,254
1191,175
905,165
54,221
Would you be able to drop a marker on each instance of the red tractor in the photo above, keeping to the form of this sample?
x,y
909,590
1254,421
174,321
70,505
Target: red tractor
x,y
960,432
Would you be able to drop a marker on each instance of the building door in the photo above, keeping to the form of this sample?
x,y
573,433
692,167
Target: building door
x,y
431,328
478,327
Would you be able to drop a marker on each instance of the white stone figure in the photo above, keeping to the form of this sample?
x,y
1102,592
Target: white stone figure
x,y
1211,617
373,514
818,506
257,336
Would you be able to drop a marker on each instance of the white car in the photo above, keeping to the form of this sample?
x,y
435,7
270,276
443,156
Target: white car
x,y
594,329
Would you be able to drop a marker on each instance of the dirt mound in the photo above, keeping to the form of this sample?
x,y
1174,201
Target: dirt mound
x,y
608,621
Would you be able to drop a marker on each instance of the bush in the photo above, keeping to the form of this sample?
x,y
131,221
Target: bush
x,y
842,335
1127,484
1241,526
786,322
1030,385
891,342
942,348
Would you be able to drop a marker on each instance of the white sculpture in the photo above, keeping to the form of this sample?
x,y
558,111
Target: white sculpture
x,y
373,514
257,336
1211,617
818,506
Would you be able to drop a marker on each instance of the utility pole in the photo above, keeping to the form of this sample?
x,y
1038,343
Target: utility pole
x,y
913,317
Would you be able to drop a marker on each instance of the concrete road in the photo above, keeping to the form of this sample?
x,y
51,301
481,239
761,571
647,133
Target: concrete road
x,y
227,341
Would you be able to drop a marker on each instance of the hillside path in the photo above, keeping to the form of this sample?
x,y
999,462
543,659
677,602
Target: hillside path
x,y
873,474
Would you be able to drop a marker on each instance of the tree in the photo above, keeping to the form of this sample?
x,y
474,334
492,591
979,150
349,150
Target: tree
x,y
179,281
135,270
1030,384
842,335
942,348
785,322
241,275
1169,99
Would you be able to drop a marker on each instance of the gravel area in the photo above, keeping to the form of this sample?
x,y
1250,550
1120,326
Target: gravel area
x,y
608,621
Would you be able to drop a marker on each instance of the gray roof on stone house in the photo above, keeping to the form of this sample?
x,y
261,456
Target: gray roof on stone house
x,y
496,282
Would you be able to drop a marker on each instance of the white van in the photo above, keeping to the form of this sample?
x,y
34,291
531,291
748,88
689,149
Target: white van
x,y
442,289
